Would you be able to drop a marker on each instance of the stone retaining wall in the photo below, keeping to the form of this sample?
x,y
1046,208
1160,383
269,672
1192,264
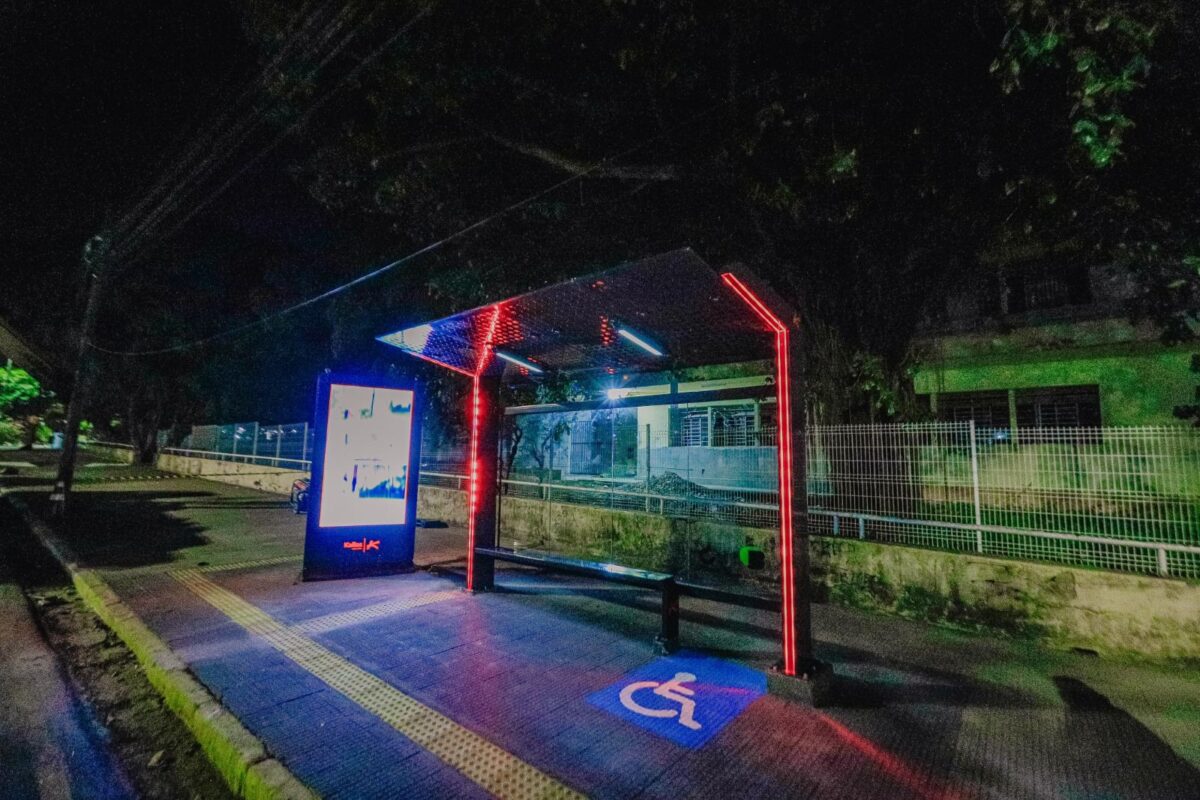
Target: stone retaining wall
x,y
251,476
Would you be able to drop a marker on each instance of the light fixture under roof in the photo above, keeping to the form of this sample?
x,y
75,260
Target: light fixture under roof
x,y
520,362
636,339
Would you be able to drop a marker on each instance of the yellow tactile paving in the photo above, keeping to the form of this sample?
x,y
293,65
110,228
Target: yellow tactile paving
x,y
261,562
494,769
156,569
331,622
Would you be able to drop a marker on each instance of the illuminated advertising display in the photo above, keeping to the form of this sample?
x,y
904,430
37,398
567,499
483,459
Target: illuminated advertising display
x,y
362,507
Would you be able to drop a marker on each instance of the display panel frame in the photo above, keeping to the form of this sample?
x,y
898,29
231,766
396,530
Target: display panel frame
x,y
351,550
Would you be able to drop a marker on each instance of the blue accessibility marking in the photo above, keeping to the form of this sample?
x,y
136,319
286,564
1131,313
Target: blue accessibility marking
x,y
687,698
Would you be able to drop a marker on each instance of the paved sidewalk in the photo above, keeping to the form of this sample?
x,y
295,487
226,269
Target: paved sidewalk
x,y
51,746
407,686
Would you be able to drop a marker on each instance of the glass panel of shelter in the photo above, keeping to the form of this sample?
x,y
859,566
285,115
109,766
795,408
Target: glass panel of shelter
x,y
639,487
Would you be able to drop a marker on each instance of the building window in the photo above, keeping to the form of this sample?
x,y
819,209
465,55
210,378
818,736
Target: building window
x,y
733,426
722,426
1045,414
693,427
1059,407
985,409
1036,286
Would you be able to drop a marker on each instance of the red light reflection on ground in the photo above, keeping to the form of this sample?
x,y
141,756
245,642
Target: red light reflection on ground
x,y
918,783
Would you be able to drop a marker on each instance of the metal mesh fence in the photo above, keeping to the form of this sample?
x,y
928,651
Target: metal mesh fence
x,y
1124,499
287,445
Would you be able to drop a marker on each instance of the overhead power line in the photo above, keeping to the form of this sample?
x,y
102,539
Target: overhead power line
x,y
212,148
367,276
300,122
375,273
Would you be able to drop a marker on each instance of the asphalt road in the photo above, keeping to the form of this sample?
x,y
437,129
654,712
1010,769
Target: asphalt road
x,y
51,744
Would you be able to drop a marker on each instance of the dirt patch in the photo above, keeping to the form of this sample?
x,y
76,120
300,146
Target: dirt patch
x,y
160,755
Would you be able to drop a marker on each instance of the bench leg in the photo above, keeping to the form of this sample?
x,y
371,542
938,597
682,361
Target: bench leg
x,y
667,640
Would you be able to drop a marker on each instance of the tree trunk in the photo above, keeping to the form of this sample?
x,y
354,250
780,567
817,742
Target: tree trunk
x,y
143,430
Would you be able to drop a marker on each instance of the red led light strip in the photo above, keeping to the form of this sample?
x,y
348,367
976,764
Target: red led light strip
x,y
473,469
784,449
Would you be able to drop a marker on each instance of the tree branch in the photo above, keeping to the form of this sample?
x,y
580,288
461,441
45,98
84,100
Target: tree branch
x,y
634,172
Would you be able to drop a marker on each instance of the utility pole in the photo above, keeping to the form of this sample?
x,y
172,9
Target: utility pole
x,y
95,260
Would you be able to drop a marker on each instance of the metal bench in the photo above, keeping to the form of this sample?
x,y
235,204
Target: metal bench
x,y
662,582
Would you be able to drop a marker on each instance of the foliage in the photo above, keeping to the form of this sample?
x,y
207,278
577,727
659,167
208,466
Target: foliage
x,y
43,433
1191,411
18,390
1129,78
21,402
1103,46
10,432
860,156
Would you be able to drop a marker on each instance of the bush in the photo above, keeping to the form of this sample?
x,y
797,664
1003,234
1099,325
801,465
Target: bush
x,y
44,433
10,431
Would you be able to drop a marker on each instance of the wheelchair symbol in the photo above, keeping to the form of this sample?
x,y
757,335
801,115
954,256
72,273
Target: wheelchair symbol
x,y
671,690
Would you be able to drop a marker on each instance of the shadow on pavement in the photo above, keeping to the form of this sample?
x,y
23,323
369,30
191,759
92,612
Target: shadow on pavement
x,y
126,528
923,688
1131,760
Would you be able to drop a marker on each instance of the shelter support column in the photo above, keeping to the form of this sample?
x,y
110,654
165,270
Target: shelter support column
x,y
799,673
801,594
483,517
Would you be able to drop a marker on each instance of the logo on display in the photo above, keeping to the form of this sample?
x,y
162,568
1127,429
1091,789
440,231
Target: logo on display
x,y
686,698
362,545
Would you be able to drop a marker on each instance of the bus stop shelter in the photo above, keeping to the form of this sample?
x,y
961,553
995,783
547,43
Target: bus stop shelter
x,y
668,312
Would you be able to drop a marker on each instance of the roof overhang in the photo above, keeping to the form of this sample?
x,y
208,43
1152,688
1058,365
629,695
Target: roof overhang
x,y
671,311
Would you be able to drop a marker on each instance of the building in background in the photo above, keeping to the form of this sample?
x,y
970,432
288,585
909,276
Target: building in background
x,y
1041,343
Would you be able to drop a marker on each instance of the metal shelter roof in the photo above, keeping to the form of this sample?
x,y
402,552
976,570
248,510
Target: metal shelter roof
x,y
674,303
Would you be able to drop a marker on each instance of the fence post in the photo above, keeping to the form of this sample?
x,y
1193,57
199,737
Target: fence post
x,y
647,463
1163,570
254,449
278,442
304,447
975,490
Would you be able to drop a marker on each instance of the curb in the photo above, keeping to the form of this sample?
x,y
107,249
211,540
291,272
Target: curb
x,y
237,754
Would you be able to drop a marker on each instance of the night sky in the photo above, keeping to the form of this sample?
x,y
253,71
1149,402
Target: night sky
x,y
97,99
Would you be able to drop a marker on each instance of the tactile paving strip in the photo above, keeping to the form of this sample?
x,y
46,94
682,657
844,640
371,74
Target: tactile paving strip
x,y
492,768
331,622
153,569
90,478
262,562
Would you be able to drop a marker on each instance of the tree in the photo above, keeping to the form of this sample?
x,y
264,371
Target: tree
x,y
22,402
1191,411
18,389
860,157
